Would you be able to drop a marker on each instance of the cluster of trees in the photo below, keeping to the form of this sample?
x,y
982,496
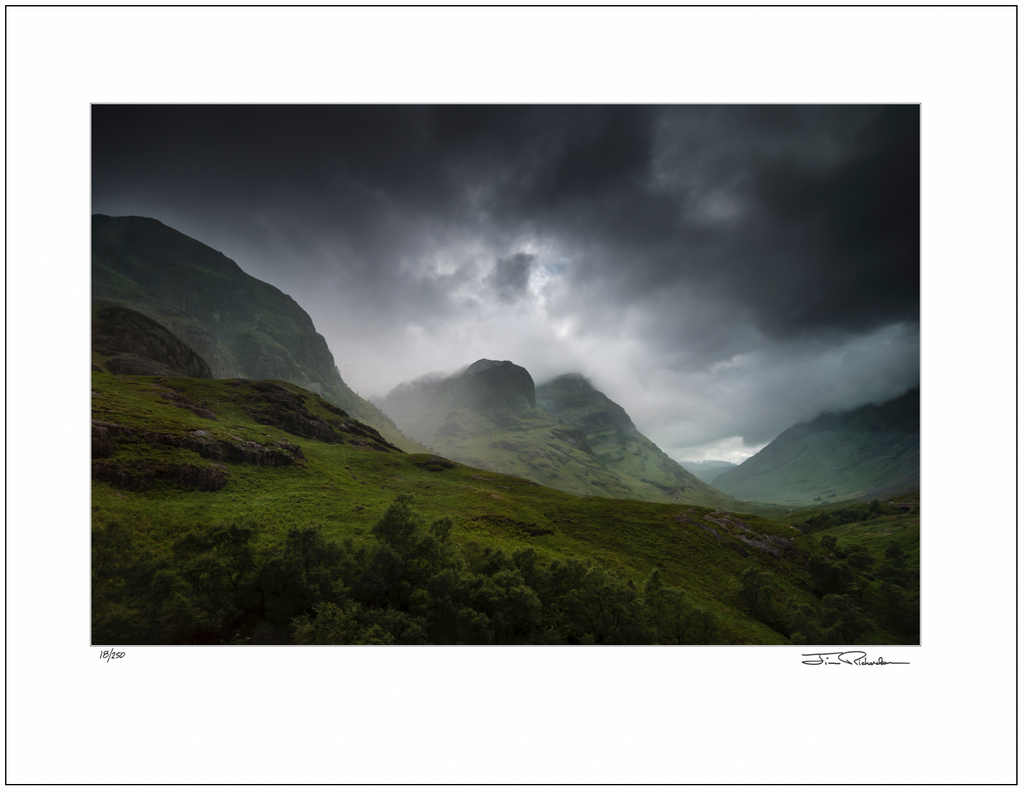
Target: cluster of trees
x,y
821,521
856,597
409,584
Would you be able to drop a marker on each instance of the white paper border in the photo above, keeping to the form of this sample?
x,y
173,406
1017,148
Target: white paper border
x,y
518,715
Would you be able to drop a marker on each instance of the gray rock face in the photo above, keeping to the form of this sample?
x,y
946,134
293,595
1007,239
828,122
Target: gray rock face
x,y
494,385
139,346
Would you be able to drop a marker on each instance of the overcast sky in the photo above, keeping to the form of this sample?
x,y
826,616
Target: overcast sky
x,y
721,272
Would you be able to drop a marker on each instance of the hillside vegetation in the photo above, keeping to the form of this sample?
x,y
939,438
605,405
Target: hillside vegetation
x,y
255,511
243,494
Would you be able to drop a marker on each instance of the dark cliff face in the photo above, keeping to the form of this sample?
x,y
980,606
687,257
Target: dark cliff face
x,y
494,386
136,345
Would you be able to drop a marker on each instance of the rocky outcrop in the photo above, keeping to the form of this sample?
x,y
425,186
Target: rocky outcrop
x,y
180,400
130,474
274,405
106,434
189,477
102,441
436,464
574,437
136,345
732,530
494,386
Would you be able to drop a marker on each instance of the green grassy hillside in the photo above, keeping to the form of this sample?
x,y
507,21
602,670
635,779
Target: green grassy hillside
x,y
617,443
858,454
207,492
240,326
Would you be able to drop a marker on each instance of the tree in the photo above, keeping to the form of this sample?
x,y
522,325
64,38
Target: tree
x,y
859,558
606,608
828,577
842,621
756,592
331,623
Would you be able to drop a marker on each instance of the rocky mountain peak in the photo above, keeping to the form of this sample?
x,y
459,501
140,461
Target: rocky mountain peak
x,y
495,385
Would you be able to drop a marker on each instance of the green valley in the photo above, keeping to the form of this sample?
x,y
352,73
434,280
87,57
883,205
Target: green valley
x,y
243,494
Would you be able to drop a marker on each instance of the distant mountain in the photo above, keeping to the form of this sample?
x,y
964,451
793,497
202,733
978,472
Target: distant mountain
x,y
707,470
240,326
861,453
615,440
488,416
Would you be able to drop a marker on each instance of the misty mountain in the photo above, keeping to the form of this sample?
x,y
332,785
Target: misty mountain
x,y
707,470
240,326
870,451
614,439
488,416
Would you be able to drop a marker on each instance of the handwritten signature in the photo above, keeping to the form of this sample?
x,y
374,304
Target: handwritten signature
x,y
851,657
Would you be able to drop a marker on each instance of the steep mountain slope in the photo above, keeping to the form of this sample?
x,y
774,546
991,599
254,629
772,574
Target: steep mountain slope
x,y
241,326
487,416
616,441
870,451
707,470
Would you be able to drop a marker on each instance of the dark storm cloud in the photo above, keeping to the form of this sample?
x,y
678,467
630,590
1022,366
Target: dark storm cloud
x,y
808,217
510,277
704,239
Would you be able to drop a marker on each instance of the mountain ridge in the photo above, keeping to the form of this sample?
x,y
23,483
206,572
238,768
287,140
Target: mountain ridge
x,y
868,451
615,439
490,415
241,327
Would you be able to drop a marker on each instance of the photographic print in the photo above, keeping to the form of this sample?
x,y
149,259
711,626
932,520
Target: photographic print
x,y
505,374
